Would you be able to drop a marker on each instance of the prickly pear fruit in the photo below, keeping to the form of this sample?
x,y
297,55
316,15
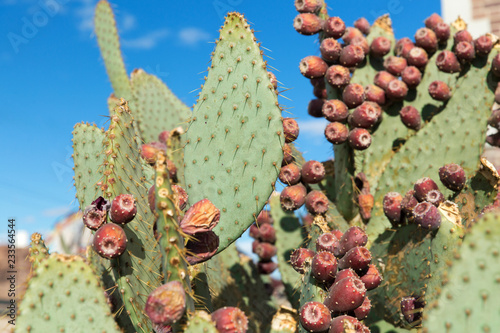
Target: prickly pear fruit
x,y
358,258
230,320
483,45
346,324
452,176
346,295
423,186
403,47
383,78
426,39
290,129
434,197
395,65
264,217
465,52
432,21
439,91
265,251
266,267
307,24
353,95
123,209
345,273
324,267
374,94
427,216
410,117
200,217
363,310
362,25
95,214
334,27
289,174
338,76
372,278
327,242
462,36
110,241
396,90
380,46
336,133
201,247
312,67
392,206
313,172
316,202
350,34
149,151
366,115
335,110
308,6
354,236
412,76
351,55
330,49
314,108
315,317
267,233
359,139
293,197
299,257
409,203
411,308
166,304
442,31
447,62
417,57
287,154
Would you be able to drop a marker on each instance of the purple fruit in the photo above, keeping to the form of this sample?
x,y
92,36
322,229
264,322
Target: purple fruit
x,y
230,320
411,308
483,45
290,129
351,55
95,214
265,251
314,108
434,197
289,174
426,39
266,267
163,137
350,34
324,267
293,197
264,217
345,273
359,139
330,49
299,257
462,36
392,206
336,133
308,6
465,51
315,317
495,65
380,46
417,57
410,117
395,65
442,31
452,176
344,324
338,76
432,21
358,258
334,27
396,90
361,41
427,216
313,67
372,278
412,76
383,78
403,47
337,233
254,231
287,155
327,242
363,310
201,247
447,62
335,110
267,233
345,295
123,209
110,241
374,94
423,186
409,203
307,24
353,95
320,92
149,151
439,91
200,217
316,202
166,304
313,172
354,236
362,25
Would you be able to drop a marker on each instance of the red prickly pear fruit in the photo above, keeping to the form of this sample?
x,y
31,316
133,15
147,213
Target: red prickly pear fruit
x,y
351,55
365,203
423,186
409,203
299,257
410,117
338,76
452,176
395,65
201,217
162,328
345,273
149,151
324,267
315,317
426,39
307,220
374,94
180,196
312,67
330,49
307,24
166,304
493,139
396,90
254,231
362,25
316,202
335,110
265,251
95,214
447,62
350,34
434,197
287,155
483,45
432,21
372,278
417,57
313,172
363,310
439,91
289,174
380,46
392,207
403,47
201,247
358,258
110,241
345,295
383,78
465,51
290,129
230,320
354,236
266,267
314,108
427,216
337,233
462,36
255,243
267,233
361,41
411,308
442,31
336,133
327,242
412,76
293,197
308,6
495,65
359,139
353,95
320,92
163,137
264,217
346,324
318,82
334,27
123,209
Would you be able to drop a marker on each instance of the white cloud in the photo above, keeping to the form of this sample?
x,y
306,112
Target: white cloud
x,y
56,211
126,22
85,14
192,36
148,41
314,127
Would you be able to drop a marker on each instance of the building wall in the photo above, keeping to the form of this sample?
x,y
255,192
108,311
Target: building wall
x,y
482,16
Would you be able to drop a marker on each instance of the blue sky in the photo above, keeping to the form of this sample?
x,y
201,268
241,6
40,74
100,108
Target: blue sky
x,y
52,77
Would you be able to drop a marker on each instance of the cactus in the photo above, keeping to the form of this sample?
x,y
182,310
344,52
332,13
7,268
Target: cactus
x,y
224,158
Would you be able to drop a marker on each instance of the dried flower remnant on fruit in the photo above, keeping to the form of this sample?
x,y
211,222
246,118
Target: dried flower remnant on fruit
x,y
230,320
200,217
166,304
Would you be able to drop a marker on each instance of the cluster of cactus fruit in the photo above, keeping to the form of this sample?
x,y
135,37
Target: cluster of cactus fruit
x,y
167,191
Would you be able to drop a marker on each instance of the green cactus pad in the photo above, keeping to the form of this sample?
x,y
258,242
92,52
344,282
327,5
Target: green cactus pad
x,y
200,322
37,251
233,150
109,44
158,109
88,156
64,295
467,301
